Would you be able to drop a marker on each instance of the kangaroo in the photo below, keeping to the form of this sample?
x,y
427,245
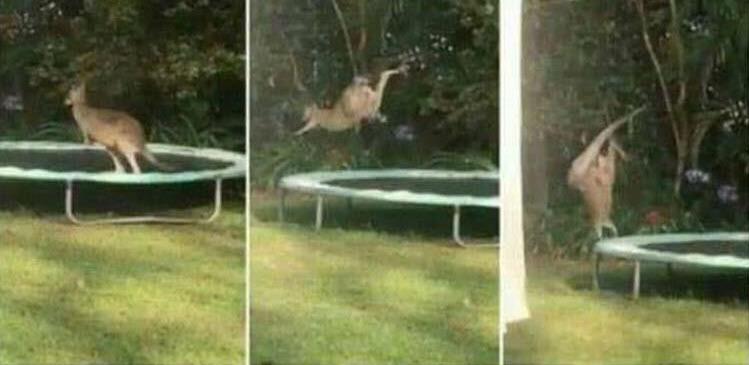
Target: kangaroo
x,y
357,102
118,132
593,174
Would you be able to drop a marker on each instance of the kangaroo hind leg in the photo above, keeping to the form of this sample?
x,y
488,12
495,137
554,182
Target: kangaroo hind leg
x,y
117,164
306,127
133,161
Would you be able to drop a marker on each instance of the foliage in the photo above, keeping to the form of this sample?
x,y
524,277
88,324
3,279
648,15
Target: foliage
x,y
461,161
586,64
307,52
174,65
270,164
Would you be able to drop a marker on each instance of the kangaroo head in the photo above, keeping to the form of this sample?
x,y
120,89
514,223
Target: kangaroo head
x,y
77,94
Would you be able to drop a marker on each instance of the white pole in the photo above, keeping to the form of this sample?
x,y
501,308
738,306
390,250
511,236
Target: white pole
x,y
512,258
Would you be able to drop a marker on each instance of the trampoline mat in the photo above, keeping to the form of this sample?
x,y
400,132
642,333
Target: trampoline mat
x,y
710,248
478,187
99,161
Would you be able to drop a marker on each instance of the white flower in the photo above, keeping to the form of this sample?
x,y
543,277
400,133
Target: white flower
x,y
13,103
694,176
404,133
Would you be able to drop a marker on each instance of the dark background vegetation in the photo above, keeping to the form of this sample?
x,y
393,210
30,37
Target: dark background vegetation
x,y
443,113
586,64
177,66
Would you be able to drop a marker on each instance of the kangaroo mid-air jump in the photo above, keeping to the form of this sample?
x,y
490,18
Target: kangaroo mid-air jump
x,y
357,102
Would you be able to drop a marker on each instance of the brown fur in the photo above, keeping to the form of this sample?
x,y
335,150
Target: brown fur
x,y
357,103
118,132
593,173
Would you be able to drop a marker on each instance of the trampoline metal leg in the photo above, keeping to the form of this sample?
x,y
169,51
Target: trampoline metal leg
x,y
636,281
596,271
69,211
318,213
456,232
670,270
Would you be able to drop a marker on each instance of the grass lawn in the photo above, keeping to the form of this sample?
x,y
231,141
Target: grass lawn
x,y
387,288
135,294
697,317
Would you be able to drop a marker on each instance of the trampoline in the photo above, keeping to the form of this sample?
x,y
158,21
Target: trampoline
x,y
71,163
729,250
429,187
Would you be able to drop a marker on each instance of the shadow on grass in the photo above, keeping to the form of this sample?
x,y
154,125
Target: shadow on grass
x,y
99,339
97,301
430,320
709,284
57,311
395,218
697,309
442,269
437,294
48,198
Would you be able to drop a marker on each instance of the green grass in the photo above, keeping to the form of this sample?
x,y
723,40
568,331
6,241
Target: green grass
x,y
696,317
366,294
136,294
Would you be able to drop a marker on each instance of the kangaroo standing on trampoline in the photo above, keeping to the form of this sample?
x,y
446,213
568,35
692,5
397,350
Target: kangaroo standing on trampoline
x,y
118,132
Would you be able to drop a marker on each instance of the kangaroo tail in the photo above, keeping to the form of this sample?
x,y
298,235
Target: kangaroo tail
x,y
152,159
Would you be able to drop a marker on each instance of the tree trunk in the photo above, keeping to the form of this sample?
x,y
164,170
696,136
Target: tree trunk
x,y
535,177
680,164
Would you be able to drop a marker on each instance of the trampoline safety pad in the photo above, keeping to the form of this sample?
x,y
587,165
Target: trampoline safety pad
x,y
729,250
430,187
76,162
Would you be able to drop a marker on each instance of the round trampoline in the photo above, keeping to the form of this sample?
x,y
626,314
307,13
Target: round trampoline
x,y
729,250
431,187
74,162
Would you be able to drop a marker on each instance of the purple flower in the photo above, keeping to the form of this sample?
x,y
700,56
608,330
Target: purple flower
x,y
727,194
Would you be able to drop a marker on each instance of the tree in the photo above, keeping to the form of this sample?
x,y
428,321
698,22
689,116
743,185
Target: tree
x,y
177,65
705,68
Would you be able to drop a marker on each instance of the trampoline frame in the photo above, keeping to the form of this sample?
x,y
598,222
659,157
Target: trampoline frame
x,y
73,218
316,183
236,168
630,248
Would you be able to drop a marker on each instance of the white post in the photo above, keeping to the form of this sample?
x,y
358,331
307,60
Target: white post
x,y
512,257
318,214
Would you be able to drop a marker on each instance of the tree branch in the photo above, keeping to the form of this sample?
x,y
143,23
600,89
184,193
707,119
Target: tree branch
x,y
362,26
675,122
342,22
661,80
679,54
